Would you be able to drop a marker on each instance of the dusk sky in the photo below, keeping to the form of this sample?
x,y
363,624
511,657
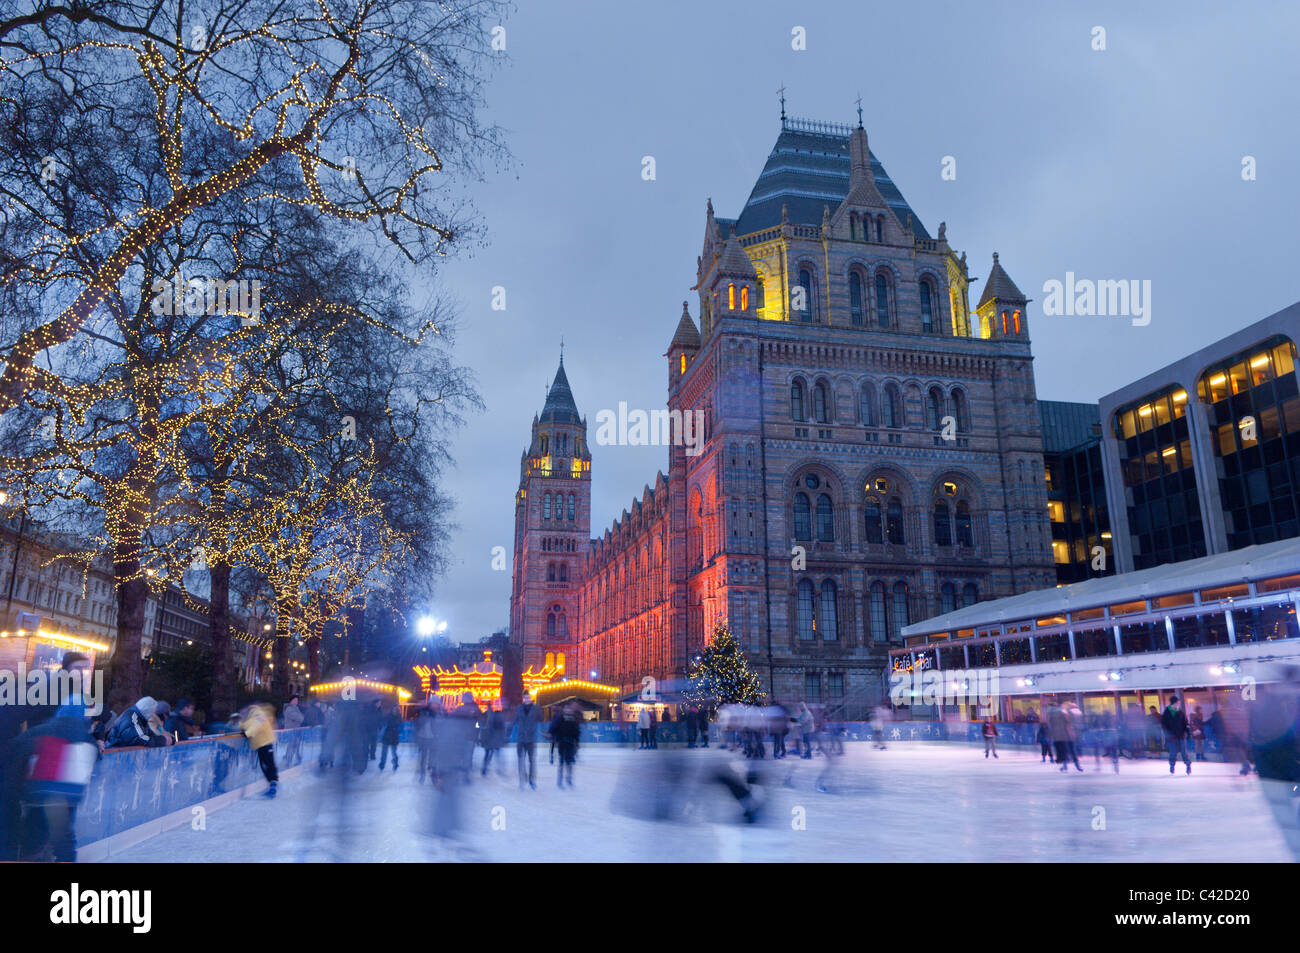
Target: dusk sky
x,y
1122,163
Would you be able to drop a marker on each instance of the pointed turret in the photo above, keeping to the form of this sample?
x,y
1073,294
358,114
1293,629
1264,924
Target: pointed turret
x,y
1001,308
683,348
560,407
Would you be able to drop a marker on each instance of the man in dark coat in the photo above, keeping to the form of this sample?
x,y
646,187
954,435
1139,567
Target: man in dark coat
x,y
565,730
392,736
527,724
1174,724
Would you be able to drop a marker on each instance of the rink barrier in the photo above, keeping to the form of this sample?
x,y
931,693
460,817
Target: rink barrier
x,y
135,793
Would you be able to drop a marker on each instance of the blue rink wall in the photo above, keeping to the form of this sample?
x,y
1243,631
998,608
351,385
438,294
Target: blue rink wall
x,y
135,786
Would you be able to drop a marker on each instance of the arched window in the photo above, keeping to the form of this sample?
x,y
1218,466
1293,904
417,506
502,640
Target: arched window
x,y
796,401
807,624
880,229
1015,317
942,523
557,624
901,616
825,519
877,615
731,296
546,507
964,534
960,411
829,617
819,403
855,299
947,597
882,301
544,442
802,517
806,283
744,298
867,405
894,522
874,523
893,407
969,594
564,572
572,506
550,572
934,408
927,308
1004,323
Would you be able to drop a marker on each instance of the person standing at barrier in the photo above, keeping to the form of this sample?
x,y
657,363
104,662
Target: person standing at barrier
x,y
292,716
258,725
807,726
131,729
528,720
643,726
181,723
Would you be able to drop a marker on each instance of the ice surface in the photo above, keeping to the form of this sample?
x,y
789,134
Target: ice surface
x,y
912,802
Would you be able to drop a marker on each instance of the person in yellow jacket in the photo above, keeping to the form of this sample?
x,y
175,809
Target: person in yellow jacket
x,y
258,723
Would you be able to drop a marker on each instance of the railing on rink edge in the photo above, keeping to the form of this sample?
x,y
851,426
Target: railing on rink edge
x,y
132,786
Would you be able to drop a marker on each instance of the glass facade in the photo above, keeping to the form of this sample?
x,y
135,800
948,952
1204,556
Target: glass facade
x,y
1160,490
1254,418
1076,490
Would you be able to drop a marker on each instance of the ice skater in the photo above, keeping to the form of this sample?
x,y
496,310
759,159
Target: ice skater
x,y
990,732
1174,724
258,725
565,732
528,718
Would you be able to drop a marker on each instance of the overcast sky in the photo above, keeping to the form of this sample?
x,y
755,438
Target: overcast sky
x,y
1118,164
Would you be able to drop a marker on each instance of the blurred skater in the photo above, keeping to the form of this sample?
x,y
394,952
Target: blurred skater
x,y
258,725
391,737
990,732
565,730
1275,738
528,720
1174,724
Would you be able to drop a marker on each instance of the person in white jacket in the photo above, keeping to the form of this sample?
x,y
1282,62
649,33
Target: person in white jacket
x,y
643,724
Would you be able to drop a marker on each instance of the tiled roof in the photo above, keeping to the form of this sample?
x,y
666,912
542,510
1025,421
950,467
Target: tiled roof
x,y
806,172
999,285
560,407
687,334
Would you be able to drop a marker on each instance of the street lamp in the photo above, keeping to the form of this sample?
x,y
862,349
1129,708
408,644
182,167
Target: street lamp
x,y
427,625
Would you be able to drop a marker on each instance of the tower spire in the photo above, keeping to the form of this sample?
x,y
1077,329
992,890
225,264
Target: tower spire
x,y
859,101
781,93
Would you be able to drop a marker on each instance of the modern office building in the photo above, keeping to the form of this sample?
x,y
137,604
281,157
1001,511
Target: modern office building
x,y
1203,455
1076,490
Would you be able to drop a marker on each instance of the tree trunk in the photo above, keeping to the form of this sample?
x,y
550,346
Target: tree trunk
x,y
223,660
280,655
126,674
313,659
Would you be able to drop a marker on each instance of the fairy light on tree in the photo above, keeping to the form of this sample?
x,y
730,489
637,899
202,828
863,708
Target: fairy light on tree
x,y
722,673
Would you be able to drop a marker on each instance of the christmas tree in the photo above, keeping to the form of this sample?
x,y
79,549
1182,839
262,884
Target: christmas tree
x,y
722,673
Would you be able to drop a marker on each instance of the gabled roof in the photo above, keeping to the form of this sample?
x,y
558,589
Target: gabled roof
x,y
808,170
999,285
560,407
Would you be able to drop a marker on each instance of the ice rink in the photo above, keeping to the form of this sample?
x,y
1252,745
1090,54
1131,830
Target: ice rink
x,y
911,802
